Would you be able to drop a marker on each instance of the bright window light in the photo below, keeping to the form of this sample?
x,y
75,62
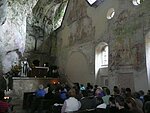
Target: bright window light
x,y
91,1
101,57
110,13
136,2
139,1
95,3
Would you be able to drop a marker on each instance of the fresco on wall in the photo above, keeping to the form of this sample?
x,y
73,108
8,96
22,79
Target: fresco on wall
x,y
77,11
120,56
84,31
138,55
80,24
128,48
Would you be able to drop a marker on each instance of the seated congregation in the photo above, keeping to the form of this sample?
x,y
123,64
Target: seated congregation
x,y
79,99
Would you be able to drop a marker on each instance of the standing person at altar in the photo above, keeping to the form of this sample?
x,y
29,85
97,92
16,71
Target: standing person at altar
x,y
24,67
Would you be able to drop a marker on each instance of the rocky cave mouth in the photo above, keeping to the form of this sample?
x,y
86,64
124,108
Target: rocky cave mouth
x,y
26,28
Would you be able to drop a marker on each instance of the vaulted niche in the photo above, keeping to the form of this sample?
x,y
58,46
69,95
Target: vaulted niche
x,y
77,67
94,3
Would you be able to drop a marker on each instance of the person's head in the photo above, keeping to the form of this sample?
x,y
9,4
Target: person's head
x,y
141,92
90,87
107,91
119,101
116,90
136,95
77,86
115,87
81,85
112,101
128,92
88,84
131,102
146,98
148,92
72,92
123,90
84,93
95,86
98,91
41,86
147,107
2,94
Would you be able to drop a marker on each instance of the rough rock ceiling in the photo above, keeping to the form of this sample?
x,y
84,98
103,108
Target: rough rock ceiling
x,y
49,13
45,11
46,16
18,18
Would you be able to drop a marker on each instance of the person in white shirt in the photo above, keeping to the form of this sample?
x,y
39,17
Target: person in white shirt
x,y
71,104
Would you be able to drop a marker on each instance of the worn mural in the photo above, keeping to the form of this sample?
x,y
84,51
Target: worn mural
x,y
124,34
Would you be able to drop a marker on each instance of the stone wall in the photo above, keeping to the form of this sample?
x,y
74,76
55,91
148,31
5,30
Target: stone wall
x,y
3,9
84,27
13,32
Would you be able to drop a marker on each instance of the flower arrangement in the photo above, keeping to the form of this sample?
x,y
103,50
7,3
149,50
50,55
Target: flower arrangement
x,y
16,69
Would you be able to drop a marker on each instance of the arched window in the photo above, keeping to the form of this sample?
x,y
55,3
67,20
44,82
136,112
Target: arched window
x,y
110,13
91,1
101,56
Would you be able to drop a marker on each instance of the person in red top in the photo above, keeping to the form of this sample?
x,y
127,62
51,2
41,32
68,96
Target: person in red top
x,y
4,106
